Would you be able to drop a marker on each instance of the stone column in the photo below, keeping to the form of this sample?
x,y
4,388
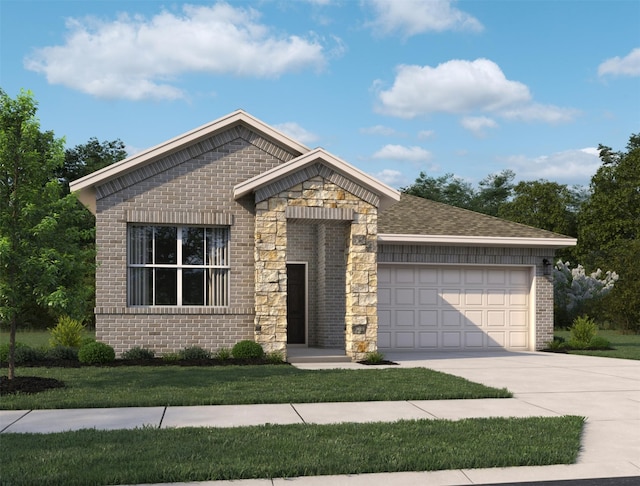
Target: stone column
x,y
271,275
361,317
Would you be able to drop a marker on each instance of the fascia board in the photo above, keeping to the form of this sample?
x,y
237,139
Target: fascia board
x,y
317,155
177,143
495,241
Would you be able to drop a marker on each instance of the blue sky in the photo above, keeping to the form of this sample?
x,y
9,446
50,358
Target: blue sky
x,y
394,87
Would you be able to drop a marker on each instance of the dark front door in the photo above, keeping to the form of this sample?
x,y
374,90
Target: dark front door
x,y
296,303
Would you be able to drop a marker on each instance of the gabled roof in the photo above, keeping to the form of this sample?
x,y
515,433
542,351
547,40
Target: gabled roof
x,y
85,186
422,221
387,195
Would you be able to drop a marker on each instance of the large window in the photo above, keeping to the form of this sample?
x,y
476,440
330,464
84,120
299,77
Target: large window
x,y
178,265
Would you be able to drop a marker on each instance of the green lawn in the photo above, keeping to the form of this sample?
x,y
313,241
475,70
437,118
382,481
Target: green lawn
x,y
36,339
140,386
627,346
89,457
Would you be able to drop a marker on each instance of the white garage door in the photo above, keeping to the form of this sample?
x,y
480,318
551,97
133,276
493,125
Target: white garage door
x,y
422,307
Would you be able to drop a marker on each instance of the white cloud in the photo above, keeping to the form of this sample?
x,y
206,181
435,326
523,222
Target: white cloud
x,y
379,130
411,17
478,124
426,134
402,153
626,66
462,87
575,166
296,132
392,177
137,57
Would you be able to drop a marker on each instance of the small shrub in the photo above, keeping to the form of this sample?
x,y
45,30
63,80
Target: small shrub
x,y
558,344
374,357
96,353
275,357
4,350
194,352
598,342
247,350
23,353
138,352
68,332
583,330
171,357
223,354
63,352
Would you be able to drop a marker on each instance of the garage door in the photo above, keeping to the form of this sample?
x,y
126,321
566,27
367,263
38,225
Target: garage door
x,y
423,307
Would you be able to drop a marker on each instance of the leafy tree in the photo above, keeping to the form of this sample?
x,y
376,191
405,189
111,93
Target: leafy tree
x,y
446,189
610,229
543,204
27,159
495,190
89,157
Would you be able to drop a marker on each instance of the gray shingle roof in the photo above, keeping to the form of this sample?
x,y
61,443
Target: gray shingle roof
x,y
417,216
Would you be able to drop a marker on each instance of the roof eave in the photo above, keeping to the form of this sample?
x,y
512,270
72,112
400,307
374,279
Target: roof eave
x,y
495,241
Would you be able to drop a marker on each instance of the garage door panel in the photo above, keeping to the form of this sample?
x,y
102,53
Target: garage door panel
x,y
430,307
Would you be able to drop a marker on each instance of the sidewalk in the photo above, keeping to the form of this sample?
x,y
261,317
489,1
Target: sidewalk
x,y
606,391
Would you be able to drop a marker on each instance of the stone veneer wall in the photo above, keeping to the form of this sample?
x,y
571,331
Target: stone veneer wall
x,y
191,187
390,253
361,320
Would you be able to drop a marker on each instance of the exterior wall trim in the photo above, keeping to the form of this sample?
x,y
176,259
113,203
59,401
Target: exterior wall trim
x,y
171,217
306,212
488,241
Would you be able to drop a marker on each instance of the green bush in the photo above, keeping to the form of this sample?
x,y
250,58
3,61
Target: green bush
x,y
194,352
68,332
170,357
96,353
558,344
583,330
598,342
223,354
247,350
63,352
23,353
138,352
374,357
275,357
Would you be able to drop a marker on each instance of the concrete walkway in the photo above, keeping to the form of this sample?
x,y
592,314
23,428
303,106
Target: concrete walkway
x,y
606,391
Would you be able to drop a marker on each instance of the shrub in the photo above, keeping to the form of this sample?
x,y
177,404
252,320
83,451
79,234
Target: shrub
x,y
247,350
23,353
583,330
598,342
194,352
374,357
171,357
68,332
558,344
223,354
138,352
275,357
96,353
63,352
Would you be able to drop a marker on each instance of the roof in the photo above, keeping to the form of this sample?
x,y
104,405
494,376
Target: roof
x,y
387,195
85,186
418,220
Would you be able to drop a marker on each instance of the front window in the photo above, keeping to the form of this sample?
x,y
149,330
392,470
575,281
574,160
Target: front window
x,y
178,266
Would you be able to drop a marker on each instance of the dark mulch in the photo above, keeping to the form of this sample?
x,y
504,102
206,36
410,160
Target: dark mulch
x,y
28,384
376,363
34,384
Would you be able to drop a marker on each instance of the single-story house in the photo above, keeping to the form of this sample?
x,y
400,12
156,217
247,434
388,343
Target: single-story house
x,y
235,231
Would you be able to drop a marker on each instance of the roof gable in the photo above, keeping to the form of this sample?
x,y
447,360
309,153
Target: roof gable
x,y
282,177
418,220
195,139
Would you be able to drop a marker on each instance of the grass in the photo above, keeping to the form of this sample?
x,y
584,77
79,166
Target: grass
x,y
626,346
148,455
36,339
137,386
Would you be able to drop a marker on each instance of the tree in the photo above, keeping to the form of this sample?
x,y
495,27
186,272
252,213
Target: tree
x,y
609,233
543,204
495,190
28,157
89,157
446,189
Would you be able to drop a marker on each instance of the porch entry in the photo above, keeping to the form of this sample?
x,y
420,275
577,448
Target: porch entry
x,y
296,303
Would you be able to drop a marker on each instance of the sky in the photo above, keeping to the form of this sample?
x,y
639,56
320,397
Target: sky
x,y
393,87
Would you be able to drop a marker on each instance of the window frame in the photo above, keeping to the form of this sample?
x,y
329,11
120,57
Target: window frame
x,y
210,269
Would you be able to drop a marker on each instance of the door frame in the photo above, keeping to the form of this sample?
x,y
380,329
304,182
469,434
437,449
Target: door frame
x,y
306,303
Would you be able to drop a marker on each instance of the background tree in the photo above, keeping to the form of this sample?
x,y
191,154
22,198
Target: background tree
x,y
87,158
28,157
495,191
609,234
446,189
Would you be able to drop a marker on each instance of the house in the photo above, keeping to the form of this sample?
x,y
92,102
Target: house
x,y
235,231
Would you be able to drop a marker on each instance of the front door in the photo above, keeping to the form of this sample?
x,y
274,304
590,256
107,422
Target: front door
x,y
296,303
